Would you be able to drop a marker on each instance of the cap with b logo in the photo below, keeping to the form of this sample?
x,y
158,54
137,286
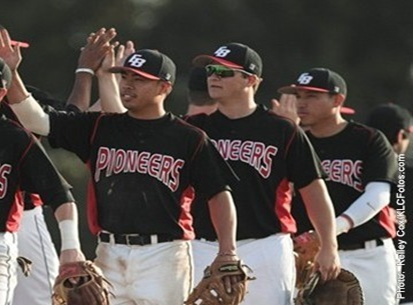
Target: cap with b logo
x,y
317,79
233,55
150,64
5,75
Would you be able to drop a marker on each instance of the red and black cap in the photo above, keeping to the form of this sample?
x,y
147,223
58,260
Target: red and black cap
x,y
5,75
150,64
317,79
233,55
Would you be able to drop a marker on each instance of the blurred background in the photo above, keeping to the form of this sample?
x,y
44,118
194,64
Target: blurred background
x,y
370,43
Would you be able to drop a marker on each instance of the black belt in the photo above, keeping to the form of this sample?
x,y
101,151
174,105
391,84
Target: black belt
x,y
134,239
362,245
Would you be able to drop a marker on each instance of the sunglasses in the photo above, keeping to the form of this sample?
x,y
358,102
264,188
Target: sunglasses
x,y
223,71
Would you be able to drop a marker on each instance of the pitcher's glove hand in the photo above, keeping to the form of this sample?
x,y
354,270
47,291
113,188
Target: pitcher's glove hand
x,y
306,247
81,283
211,290
344,290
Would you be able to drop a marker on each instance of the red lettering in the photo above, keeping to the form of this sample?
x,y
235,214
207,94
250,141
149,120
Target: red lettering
x,y
5,169
154,164
165,169
256,156
270,152
102,161
174,181
143,162
131,161
245,151
119,161
234,150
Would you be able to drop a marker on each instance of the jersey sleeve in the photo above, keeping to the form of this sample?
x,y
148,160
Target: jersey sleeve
x,y
210,173
38,175
303,164
380,163
72,131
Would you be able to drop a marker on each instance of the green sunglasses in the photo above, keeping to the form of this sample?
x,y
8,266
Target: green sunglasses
x,y
222,71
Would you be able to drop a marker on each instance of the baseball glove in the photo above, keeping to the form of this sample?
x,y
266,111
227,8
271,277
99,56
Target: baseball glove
x,y
344,290
81,283
211,289
306,247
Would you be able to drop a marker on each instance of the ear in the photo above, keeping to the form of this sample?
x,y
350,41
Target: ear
x,y
253,80
402,135
339,100
166,88
3,93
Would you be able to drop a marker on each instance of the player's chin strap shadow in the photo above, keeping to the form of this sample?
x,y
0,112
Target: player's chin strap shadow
x,y
25,264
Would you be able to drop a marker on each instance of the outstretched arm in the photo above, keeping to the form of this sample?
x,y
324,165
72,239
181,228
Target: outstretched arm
x,y
109,94
91,57
30,114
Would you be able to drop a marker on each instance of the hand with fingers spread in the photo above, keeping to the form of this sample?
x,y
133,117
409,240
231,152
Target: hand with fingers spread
x,y
97,47
286,107
123,52
10,53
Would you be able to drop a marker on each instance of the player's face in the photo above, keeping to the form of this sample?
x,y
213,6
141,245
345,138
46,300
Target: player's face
x,y
228,85
141,95
315,107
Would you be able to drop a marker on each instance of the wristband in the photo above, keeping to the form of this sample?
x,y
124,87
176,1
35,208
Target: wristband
x,y
69,234
85,70
226,254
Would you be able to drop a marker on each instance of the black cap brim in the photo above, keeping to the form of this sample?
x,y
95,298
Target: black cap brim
x,y
136,71
293,89
204,60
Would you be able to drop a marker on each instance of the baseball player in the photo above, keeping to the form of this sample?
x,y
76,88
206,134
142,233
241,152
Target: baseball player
x,y
267,153
34,243
397,125
25,167
34,239
361,168
146,165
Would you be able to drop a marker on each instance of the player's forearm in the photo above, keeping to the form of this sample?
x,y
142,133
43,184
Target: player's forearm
x,y
320,212
31,115
109,93
374,199
223,216
67,217
81,91
17,91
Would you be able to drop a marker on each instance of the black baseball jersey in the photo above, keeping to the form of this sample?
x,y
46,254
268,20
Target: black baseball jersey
x,y
143,172
30,200
24,166
267,153
353,158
